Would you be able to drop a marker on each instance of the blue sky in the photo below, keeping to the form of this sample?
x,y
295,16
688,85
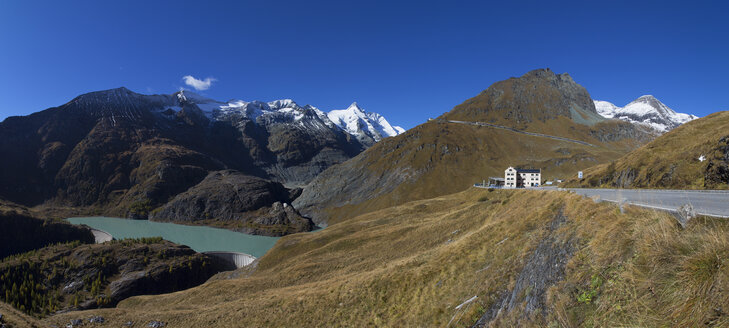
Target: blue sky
x,y
407,60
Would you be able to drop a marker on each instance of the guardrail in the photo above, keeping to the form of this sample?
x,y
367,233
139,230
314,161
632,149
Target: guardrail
x,y
481,185
621,198
661,190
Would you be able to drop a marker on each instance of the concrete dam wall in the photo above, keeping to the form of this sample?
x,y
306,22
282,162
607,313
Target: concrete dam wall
x,y
239,259
236,259
101,236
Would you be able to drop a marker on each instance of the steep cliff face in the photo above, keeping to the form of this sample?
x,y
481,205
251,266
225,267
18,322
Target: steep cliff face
x,y
442,156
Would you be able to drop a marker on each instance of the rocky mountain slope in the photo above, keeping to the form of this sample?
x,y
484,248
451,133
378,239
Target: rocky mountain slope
x,y
694,155
506,258
437,158
366,126
646,110
72,276
228,196
121,153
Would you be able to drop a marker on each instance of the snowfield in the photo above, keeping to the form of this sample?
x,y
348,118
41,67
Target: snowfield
x,y
646,110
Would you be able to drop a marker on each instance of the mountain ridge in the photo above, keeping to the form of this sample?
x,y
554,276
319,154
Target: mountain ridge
x,y
437,157
119,153
369,127
646,110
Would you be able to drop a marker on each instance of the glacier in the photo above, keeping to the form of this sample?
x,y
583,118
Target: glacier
x,y
647,110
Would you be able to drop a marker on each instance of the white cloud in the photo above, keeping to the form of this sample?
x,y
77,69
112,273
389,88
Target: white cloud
x,y
199,84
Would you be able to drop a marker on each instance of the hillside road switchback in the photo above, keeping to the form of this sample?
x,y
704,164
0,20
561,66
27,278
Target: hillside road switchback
x,y
533,134
705,202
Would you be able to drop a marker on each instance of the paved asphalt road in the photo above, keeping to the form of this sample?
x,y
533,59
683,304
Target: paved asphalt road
x,y
709,202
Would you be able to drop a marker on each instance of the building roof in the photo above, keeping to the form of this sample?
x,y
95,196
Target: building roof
x,y
529,170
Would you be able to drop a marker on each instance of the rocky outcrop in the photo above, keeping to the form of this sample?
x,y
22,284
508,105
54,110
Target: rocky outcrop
x,y
717,169
237,201
188,269
73,276
349,183
538,95
222,195
543,269
277,220
613,131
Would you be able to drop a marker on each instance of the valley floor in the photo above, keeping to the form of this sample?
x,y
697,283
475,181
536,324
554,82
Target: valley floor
x,y
522,258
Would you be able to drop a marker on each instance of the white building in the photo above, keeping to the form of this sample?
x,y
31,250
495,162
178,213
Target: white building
x,y
520,178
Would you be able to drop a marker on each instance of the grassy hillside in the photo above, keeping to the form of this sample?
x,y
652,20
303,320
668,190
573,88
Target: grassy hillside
x,y
12,318
438,158
542,258
672,160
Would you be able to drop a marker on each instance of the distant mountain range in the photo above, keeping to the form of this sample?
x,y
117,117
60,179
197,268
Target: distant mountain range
x,y
177,157
646,110
367,127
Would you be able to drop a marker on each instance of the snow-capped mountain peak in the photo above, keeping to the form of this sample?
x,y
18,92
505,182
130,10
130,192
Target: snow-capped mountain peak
x,y
646,110
122,103
355,107
367,127
606,108
283,103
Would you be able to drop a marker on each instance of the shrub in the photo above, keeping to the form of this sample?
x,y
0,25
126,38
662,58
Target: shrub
x,y
587,296
141,207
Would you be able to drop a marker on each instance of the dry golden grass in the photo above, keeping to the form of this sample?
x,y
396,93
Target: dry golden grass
x,y
670,161
411,265
448,158
17,319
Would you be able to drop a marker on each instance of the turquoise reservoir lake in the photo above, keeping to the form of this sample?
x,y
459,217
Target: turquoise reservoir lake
x,y
199,238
